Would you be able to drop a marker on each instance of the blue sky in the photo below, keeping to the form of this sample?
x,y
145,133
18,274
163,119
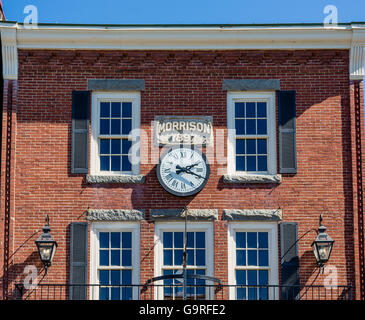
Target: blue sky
x,y
184,12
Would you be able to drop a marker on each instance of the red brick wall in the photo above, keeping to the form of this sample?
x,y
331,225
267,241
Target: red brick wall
x,y
183,83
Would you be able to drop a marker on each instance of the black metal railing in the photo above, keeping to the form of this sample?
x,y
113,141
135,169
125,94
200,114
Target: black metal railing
x,y
169,292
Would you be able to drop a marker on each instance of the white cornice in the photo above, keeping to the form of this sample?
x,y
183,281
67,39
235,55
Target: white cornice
x,y
73,37
153,38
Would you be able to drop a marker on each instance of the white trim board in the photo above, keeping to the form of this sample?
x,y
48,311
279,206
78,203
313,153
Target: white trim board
x,y
275,37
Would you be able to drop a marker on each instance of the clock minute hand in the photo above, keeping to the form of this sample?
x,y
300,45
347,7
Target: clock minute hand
x,y
193,173
182,179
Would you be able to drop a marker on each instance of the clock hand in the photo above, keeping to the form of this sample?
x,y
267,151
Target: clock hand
x,y
185,168
193,173
193,165
182,179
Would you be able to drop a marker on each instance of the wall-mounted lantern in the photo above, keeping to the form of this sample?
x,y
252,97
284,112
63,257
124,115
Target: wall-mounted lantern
x,y
322,246
46,246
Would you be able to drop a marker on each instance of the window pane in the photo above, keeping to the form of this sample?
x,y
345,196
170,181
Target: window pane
x,y
263,277
167,257
115,294
116,109
240,126
252,257
126,276
250,110
115,257
241,293
261,126
239,109
104,239
200,239
126,126
115,126
104,146
241,277
200,257
115,239
126,239
104,257
115,146
104,163
240,146
251,239
263,240
261,146
126,165
127,258
104,126
262,163
251,146
104,277
167,239
178,240
263,258
190,240
190,258
240,164
251,277
127,110
250,126
126,293
178,257
104,109
115,163
251,163
104,294
261,109
126,146
115,277
241,257
240,239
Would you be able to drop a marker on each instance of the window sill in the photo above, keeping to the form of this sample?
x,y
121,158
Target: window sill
x,y
252,178
123,178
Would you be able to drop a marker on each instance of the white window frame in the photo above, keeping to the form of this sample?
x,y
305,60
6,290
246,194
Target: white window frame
x,y
98,227
252,96
161,227
272,229
97,97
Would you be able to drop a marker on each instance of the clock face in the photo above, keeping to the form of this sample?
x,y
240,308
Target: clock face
x,y
183,171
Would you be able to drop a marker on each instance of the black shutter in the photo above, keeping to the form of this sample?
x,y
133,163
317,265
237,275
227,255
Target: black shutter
x,y
289,260
78,260
287,132
80,132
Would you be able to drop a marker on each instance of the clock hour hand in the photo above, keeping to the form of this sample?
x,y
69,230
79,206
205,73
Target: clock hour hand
x,y
182,179
191,166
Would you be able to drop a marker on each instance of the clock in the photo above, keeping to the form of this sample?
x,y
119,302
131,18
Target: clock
x,y
183,171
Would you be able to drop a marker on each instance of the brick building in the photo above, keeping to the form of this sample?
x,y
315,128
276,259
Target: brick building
x,y
277,111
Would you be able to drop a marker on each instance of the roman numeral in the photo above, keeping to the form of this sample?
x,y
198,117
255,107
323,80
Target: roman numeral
x,y
174,183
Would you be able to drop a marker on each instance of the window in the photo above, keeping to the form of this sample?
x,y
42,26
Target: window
x,y
169,259
251,133
253,265
115,116
115,261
